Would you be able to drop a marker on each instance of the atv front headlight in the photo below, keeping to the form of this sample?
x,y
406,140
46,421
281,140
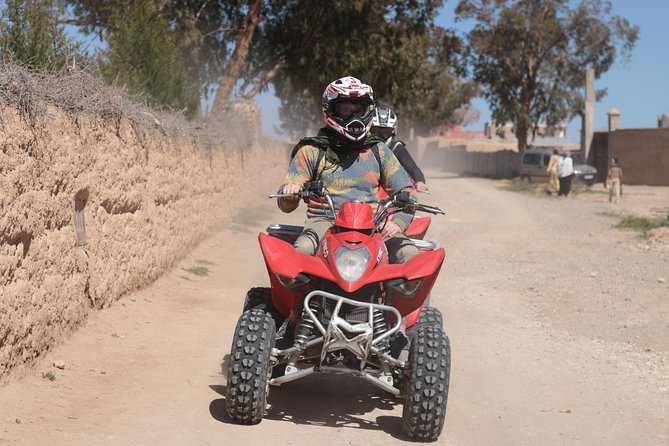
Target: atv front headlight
x,y
351,262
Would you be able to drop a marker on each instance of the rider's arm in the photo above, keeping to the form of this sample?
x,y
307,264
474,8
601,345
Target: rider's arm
x,y
408,163
396,179
299,171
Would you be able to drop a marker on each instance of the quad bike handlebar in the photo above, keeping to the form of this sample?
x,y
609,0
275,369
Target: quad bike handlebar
x,y
399,202
311,190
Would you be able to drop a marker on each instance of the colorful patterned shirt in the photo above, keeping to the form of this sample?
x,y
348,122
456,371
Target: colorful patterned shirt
x,y
356,178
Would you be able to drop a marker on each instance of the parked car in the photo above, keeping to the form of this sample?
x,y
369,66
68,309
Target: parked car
x,y
534,162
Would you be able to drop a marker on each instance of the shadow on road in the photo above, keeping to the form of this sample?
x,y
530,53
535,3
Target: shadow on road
x,y
325,400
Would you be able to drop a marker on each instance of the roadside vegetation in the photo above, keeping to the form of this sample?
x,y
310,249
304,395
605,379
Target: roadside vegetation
x,y
540,189
643,224
200,271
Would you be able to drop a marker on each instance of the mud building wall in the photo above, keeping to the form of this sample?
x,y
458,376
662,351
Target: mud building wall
x,y
643,155
141,198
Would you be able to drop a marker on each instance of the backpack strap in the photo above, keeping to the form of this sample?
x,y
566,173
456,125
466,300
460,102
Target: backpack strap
x,y
377,155
316,174
395,144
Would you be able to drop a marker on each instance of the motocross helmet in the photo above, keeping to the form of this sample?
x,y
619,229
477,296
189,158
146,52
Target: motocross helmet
x,y
348,106
384,123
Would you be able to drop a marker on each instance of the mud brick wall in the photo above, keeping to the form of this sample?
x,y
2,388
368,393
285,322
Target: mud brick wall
x,y
91,209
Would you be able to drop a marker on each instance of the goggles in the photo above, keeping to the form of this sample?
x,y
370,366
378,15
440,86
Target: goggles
x,y
383,132
346,109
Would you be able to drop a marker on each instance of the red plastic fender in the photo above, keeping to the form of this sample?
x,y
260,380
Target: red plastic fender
x,y
418,227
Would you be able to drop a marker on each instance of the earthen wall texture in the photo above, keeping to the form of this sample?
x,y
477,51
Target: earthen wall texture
x,y
91,209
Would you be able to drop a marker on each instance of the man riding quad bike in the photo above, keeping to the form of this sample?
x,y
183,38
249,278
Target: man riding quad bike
x,y
348,290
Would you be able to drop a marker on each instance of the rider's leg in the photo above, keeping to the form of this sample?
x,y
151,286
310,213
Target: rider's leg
x,y
400,249
314,230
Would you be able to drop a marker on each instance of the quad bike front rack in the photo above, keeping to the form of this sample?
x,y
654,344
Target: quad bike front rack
x,y
340,334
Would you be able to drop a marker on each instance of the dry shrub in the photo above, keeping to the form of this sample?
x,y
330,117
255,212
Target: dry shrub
x,y
661,233
82,91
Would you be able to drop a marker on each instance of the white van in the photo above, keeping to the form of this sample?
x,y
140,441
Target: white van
x,y
534,162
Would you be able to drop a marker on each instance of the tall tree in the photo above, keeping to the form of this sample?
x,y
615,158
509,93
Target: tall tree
x,y
298,46
143,55
238,60
530,56
30,33
391,44
204,31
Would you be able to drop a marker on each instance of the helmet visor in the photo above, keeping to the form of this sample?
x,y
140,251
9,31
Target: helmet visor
x,y
346,109
383,132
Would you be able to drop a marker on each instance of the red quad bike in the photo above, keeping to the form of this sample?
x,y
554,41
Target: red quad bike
x,y
345,310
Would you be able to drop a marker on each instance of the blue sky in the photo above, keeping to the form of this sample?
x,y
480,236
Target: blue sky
x,y
638,89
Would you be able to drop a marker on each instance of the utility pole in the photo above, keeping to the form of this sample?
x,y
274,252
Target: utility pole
x,y
589,115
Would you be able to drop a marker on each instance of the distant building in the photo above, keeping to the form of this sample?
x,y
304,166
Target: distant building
x,y
457,132
506,131
643,153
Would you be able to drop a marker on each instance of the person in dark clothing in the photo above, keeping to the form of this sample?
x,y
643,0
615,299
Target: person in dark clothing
x,y
384,125
565,169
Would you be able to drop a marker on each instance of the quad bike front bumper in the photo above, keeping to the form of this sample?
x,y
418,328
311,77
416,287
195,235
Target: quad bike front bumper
x,y
362,339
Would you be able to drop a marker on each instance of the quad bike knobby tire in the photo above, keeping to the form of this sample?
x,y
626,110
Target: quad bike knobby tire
x,y
426,384
261,298
429,317
258,297
248,371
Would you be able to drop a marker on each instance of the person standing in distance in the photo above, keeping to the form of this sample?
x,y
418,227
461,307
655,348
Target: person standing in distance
x,y
552,169
566,174
615,180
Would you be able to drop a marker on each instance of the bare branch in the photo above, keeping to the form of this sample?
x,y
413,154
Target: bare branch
x,y
269,75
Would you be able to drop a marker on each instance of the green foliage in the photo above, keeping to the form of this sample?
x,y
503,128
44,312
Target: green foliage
x,y
530,56
49,376
518,185
30,34
300,46
203,31
198,270
642,224
392,45
143,54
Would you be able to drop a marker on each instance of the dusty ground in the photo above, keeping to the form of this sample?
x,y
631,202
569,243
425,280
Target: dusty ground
x,y
559,325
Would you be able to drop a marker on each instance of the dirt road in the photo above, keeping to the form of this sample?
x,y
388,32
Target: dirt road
x,y
559,326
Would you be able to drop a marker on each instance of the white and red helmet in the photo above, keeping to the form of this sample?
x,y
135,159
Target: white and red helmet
x,y
348,107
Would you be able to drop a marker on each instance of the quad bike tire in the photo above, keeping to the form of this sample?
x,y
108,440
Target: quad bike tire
x,y
429,317
426,385
248,370
258,297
